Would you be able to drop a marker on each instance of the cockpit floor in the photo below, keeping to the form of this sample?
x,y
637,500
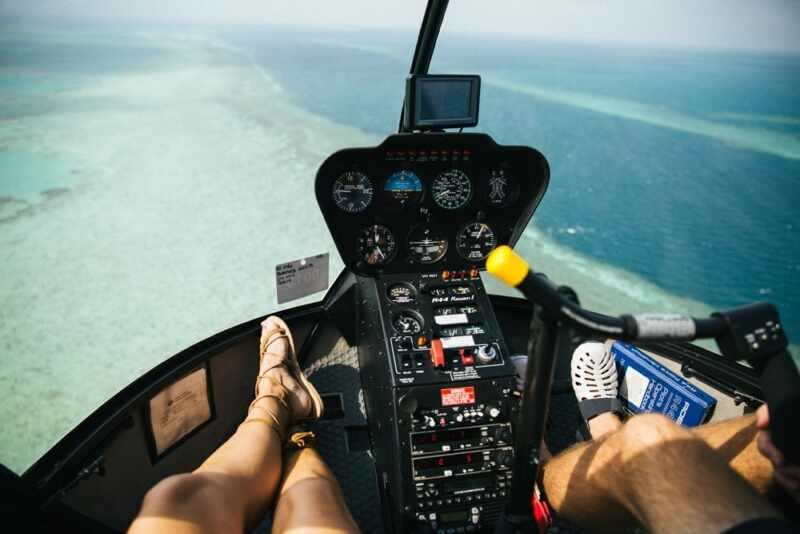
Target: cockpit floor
x,y
344,443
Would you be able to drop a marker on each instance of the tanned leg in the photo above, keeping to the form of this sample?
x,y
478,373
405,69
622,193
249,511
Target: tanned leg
x,y
660,475
238,482
310,498
735,441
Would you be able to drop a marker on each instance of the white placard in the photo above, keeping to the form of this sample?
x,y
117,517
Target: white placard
x,y
455,318
179,408
300,278
456,342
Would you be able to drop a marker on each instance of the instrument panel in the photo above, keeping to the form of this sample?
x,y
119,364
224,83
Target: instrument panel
x,y
428,202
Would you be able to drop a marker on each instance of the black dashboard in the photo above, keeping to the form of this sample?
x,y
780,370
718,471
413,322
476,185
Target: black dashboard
x,y
415,218
428,202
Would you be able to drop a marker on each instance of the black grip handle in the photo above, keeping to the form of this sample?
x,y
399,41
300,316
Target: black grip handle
x,y
780,381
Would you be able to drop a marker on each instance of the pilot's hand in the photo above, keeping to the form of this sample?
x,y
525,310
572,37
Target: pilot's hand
x,y
787,475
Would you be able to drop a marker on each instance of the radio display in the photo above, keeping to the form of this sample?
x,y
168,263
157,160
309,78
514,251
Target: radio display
x,y
456,396
459,486
452,517
445,436
453,460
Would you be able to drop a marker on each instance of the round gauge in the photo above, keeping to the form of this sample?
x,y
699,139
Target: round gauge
x,y
376,245
403,188
426,244
407,323
352,192
451,189
401,293
475,241
503,189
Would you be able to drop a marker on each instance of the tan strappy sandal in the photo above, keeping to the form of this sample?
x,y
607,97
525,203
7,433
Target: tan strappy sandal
x,y
272,419
290,362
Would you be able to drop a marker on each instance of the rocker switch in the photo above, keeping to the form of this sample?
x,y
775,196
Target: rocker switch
x,y
437,354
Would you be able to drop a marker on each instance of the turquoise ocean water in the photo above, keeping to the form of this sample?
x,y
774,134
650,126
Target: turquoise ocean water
x,y
151,178
680,166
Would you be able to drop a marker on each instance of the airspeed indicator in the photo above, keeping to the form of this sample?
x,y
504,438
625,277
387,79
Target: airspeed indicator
x,y
452,189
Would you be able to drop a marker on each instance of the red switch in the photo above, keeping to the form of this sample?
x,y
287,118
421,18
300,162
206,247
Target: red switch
x,y
437,353
466,358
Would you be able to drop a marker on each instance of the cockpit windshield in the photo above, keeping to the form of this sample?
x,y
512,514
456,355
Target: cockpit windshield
x,y
672,130
157,163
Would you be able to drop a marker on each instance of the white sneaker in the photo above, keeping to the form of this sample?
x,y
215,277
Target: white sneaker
x,y
594,380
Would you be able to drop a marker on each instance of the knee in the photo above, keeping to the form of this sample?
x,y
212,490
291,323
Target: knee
x,y
177,492
648,430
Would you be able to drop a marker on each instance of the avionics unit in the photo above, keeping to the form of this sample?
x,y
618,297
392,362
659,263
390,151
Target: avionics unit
x,y
441,396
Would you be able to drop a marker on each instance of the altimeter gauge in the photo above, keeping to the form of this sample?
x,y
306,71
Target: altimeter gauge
x,y
451,189
475,241
376,245
352,192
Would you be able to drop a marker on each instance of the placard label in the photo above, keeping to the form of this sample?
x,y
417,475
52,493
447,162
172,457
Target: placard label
x,y
179,408
300,278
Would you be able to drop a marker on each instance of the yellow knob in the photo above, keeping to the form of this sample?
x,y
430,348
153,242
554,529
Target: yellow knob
x,y
507,265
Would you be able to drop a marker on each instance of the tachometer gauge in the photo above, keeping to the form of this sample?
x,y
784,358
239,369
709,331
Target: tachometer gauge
x,y
352,192
503,189
376,245
475,241
426,244
403,188
401,293
407,323
452,189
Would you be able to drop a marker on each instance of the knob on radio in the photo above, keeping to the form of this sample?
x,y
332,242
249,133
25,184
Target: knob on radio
x,y
486,354
503,458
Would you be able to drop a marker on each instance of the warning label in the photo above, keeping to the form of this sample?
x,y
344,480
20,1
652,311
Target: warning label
x,y
454,396
179,408
300,278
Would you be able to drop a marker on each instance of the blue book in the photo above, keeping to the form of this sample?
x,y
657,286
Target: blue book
x,y
648,386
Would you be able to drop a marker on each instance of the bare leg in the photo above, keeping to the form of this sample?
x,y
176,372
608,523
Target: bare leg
x,y
238,482
310,498
655,473
604,424
734,440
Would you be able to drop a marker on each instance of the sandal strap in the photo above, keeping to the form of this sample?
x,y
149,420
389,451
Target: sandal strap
x,y
301,439
269,337
273,420
264,374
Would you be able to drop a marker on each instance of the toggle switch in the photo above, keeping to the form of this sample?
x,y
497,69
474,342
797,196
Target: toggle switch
x,y
437,353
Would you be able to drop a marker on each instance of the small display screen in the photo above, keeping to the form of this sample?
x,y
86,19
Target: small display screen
x,y
453,517
445,436
445,99
456,396
467,485
453,460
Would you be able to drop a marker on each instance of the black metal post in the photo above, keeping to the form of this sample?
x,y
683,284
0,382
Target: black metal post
x,y
530,426
426,43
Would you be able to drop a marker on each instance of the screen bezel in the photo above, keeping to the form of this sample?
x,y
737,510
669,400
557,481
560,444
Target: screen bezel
x,y
414,87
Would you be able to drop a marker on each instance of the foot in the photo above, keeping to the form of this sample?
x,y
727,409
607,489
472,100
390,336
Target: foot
x,y
594,380
276,371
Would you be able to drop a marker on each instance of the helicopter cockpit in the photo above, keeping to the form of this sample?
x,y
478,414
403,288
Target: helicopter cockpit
x,y
429,419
